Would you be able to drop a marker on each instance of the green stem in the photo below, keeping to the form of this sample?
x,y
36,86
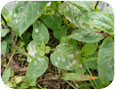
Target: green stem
x,y
91,81
70,84
91,75
77,86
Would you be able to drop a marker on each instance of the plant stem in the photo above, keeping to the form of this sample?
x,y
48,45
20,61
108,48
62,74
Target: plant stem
x,y
70,84
91,75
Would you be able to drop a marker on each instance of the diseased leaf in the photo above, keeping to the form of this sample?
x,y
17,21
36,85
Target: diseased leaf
x,y
100,21
6,75
4,32
40,33
33,50
36,67
24,14
3,47
71,12
52,21
87,5
106,60
66,57
77,77
87,35
89,49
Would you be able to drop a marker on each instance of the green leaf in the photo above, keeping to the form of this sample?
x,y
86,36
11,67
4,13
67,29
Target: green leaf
x,y
24,14
66,57
106,60
100,21
58,34
87,5
4,32
47,49
3,47
6,75
23,85
71,12
40,33
89,49
37,67
68,40
87,35
108,10
91,61
52,21
6,14
77,77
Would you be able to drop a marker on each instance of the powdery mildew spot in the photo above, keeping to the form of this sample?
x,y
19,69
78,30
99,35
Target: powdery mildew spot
x,y
15,15
48,4
63,60
58,58
80,65
56,63
71,56
74,62
36,30
35,63
67,67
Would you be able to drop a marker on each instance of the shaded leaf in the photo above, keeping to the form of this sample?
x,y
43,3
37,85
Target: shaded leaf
x,y
4,32
3,47
58,34
89,49
52,21
87,35
91,61
6,75
106,60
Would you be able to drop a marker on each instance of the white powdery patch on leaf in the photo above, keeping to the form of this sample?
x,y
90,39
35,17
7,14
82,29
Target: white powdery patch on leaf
x,y
36,30
70,64
48,4
67,67
63,60
15,15
40,59
32,51
35,63
80,65
77,52
58,58
71,56
74,62
56,63
29,60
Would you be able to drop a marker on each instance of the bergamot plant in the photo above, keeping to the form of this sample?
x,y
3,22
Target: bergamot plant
x,y
71,39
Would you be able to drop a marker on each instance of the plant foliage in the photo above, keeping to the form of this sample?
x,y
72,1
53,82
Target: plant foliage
x,y
71,39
